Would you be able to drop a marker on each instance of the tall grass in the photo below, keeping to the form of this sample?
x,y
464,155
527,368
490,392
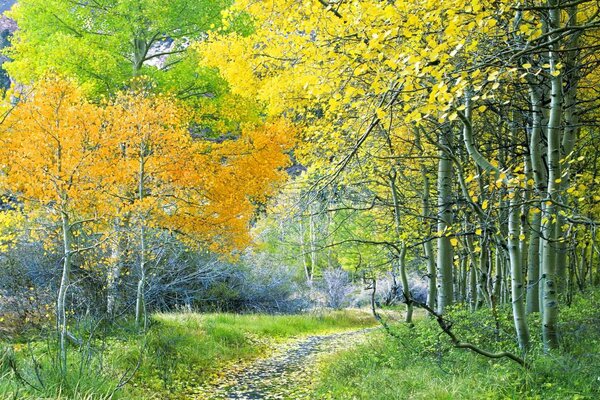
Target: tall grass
x,y
178,351
184,349
421,364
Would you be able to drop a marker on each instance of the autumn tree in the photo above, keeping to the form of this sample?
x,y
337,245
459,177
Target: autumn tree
x,y
493,90
48,158
162,178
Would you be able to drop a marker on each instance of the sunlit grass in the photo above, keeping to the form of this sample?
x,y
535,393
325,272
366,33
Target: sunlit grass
x,y
421,364
179,351
184,345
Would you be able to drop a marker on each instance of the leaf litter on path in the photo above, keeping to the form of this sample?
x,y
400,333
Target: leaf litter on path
x,y
287,373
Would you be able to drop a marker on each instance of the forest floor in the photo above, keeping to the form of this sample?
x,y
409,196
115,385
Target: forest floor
x,y
185,356
288,372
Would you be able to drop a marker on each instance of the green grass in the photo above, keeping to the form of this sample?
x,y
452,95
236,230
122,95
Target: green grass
x,y
178,352
30,372
182,347
420,364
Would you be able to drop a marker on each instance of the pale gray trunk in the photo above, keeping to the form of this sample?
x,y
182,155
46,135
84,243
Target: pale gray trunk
x,y
567,145
462,286
313,242
405,287
61,313
307,270
445,256
497,289
473,300
551,230
140,303
539,175
517,290
533,265
483,285
428,245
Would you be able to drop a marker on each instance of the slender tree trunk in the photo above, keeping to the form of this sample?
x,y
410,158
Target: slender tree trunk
x,y
525,226
473,301
307,269
61,312
533,265
497,288
313,242
445,256
402,256
551,230
428,245
115,268
140,304
517,290
405,287
463,278
568,139
539,175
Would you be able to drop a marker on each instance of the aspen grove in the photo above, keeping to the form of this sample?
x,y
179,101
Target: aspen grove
x,y
170,171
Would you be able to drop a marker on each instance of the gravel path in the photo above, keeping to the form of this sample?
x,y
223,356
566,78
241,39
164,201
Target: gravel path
x,y
288,373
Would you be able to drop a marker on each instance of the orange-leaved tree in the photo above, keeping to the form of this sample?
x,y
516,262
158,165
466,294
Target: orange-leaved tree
x,y
165,178
47,154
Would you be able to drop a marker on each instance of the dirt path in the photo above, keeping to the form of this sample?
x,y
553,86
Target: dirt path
x,y
288,373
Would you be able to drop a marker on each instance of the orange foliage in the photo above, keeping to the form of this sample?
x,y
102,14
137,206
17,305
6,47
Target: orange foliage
x,y
48,145
136,155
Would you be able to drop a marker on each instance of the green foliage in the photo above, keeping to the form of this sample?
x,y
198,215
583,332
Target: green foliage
x,y
105,43
422,364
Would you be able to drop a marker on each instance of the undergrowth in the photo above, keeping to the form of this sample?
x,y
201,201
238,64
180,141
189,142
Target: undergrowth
x,y
420,362
178,352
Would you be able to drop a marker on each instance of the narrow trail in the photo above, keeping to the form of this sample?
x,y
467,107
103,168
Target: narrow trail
x,y
287,373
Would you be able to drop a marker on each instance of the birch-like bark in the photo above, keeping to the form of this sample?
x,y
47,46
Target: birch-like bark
x,y
516,272
540,179
61,312
550,228
428,245
307,270
140,304
445,256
